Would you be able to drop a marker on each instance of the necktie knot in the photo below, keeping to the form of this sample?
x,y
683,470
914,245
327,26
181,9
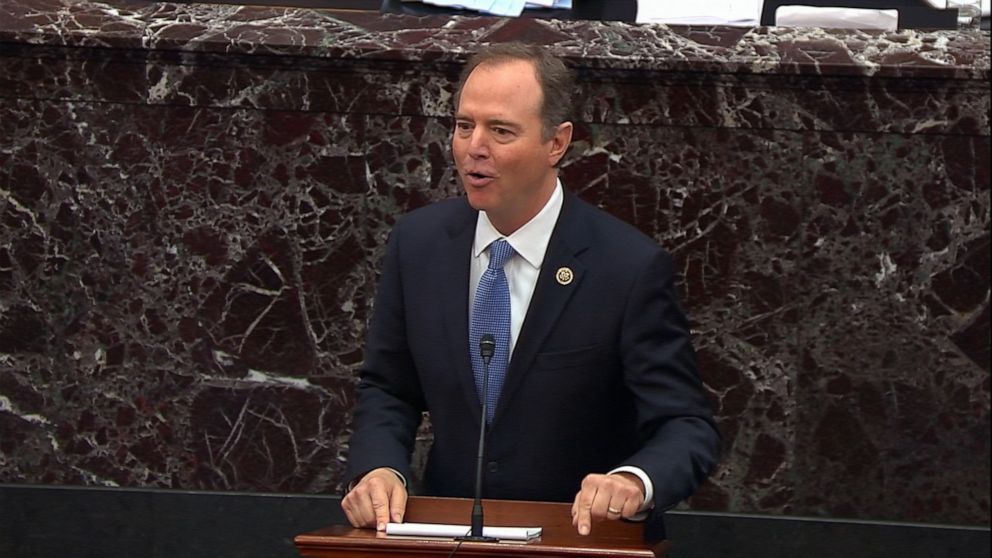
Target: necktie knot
x,y
499,252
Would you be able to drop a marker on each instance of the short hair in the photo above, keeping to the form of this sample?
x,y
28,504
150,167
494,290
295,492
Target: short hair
x,y
555,79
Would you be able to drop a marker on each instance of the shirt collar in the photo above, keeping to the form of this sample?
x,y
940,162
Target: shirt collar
x,y
530,240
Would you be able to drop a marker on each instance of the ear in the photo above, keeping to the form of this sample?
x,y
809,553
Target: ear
x,y
560,142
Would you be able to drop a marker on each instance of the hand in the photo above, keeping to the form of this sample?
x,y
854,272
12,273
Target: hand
x,y
378,498
606,497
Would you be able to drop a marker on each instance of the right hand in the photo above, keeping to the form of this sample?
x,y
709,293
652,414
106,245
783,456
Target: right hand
x,y
377,499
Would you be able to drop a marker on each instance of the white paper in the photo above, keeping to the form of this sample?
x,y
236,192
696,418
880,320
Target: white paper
x,y
512,8
836,18
558,4
498,7
475,5
495,7
449,531
944,5
744,13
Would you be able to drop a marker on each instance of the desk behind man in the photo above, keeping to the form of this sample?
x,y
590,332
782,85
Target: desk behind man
x,y
596,397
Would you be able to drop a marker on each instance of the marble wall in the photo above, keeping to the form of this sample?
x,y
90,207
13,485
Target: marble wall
x,y
194,199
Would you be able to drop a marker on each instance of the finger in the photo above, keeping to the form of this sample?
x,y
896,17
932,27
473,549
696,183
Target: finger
x,y
628,495
583,504
347,508
601,503
358,508
380,504
397,503
618,507
633,505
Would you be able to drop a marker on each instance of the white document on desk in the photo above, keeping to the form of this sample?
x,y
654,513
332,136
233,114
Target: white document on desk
x,y
836,18
743,13
448,531
942,5
512,8
493,7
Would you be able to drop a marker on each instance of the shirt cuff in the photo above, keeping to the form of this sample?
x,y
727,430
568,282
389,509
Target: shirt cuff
x,y
648,503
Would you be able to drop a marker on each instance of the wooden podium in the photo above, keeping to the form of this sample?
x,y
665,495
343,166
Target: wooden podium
x,y
559,538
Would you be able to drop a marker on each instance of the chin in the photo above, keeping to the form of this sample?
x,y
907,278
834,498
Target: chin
x,y
480,201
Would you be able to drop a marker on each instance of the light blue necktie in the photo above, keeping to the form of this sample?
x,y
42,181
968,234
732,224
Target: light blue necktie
x,y
491,315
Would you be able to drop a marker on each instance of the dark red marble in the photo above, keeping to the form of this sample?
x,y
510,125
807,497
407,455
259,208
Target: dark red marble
x,y
194,199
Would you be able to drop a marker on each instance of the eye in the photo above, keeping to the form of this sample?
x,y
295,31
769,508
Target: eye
x,y
502,132
463,126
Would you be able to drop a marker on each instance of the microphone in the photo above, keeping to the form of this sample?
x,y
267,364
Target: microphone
x,y
487,347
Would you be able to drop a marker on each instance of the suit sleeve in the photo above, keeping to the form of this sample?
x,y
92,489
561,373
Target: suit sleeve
x,y
390,402
679,441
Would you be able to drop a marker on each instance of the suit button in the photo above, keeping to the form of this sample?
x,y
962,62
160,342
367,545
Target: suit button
x,y
492,467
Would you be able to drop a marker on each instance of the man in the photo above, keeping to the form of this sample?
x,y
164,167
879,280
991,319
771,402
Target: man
x,y
595,397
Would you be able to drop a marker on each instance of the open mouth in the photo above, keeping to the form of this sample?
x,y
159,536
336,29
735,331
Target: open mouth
x,y
478,179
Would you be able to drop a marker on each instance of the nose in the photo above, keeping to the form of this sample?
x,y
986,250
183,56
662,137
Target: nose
x,y
478,144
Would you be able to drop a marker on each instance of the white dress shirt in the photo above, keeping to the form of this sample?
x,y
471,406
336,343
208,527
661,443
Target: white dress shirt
x,y
530,242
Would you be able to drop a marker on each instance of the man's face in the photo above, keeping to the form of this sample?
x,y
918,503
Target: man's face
x,y
505,165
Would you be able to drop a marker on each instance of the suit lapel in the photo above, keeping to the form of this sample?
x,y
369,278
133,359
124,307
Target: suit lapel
x,y
454,278
550,297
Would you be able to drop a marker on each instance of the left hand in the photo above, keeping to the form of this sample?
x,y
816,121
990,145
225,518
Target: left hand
x,y
606,497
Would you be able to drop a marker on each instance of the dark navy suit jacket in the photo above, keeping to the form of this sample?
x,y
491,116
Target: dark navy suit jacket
x,y
603,373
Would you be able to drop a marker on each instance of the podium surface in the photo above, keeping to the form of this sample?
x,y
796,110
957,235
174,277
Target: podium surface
x,y
558,538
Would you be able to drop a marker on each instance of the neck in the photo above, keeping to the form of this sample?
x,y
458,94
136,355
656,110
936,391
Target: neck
x,y
510,223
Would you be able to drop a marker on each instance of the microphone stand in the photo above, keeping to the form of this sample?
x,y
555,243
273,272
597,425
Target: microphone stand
x,y
487,347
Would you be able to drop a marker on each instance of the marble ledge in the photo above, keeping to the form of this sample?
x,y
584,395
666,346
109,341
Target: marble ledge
x,y
134,24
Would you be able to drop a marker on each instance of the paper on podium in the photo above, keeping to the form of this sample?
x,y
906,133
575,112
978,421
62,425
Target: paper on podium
x,y
836,18
943,5
512,8
741,13
449,531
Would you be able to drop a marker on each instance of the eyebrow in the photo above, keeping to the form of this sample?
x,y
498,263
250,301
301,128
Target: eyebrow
x,y
503,123
493,122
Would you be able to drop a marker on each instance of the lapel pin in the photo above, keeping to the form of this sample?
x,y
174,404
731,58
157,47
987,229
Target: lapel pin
x,y
564,275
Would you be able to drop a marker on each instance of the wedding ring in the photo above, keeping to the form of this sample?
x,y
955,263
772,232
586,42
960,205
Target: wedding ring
x,y
613,510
